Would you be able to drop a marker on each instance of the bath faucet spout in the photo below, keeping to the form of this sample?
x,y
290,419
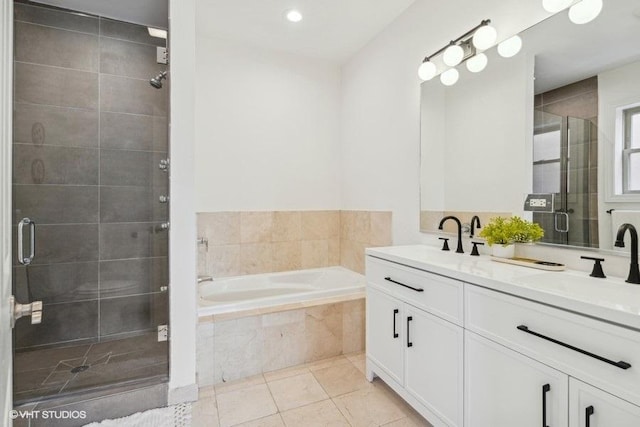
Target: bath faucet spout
x,y
634,271
205,279
459,224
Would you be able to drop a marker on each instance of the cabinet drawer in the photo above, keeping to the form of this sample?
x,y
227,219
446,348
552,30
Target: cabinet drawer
x,y
436,294
583,347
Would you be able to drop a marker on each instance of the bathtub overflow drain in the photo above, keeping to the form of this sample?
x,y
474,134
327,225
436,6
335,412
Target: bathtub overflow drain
x,y
81,368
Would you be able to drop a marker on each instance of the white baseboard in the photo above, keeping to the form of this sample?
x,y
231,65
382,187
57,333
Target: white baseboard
x,y
183,394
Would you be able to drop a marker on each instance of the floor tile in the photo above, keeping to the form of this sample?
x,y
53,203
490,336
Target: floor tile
x,y
359,361
245,404
325,363
320,414
297,391
204,413
285,373
369,407
409,422
238,384
270,421
341,379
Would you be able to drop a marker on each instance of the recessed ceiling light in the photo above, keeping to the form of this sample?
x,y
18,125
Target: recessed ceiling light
x,y
294,16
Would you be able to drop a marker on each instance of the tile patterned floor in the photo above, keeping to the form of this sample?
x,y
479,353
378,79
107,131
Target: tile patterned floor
x,y
332,392
45,373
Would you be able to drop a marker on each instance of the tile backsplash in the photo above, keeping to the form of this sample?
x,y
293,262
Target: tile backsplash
x,y
242,243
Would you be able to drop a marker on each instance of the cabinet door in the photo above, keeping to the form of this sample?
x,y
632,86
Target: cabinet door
x,y
384,333
592,407
506,389
434,364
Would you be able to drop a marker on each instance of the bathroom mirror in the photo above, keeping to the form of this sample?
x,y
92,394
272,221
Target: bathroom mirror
x,y
542,121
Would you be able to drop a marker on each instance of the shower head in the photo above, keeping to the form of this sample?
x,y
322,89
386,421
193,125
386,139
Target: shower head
x,y
157,80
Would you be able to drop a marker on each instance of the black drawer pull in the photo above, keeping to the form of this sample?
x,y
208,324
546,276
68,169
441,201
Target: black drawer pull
x,y
545,389
389,279
395,313
587,414
621,364
409,343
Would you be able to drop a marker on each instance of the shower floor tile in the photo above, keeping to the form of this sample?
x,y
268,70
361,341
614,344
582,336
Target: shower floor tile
x,y
55,372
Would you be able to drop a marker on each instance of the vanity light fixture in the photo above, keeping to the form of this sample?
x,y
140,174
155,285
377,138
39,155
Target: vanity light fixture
x,y
449,77
464,48
510,47
294,16
477,63
585,11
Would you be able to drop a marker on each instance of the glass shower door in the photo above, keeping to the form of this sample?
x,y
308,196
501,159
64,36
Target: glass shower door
x,y
565,164
89,135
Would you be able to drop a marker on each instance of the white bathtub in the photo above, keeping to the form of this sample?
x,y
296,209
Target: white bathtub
x,y
231,294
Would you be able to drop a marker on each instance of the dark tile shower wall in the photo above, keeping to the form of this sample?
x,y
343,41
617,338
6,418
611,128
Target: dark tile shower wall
x,y
89,132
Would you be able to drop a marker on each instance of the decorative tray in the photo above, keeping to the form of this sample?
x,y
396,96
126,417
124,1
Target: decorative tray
x,y
531,263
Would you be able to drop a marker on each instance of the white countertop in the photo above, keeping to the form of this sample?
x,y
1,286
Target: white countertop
x,y
610,299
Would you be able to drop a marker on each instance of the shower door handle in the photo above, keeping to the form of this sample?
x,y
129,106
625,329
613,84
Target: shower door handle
x,y
555,222
18,310
22,259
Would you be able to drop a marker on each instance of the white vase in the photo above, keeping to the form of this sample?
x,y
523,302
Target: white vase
x,y
504,251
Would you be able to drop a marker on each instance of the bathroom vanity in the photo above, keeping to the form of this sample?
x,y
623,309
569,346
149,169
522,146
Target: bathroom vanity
x,y
471,342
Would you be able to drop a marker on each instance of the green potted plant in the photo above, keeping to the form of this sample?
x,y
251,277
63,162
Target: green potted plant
x,y
501,234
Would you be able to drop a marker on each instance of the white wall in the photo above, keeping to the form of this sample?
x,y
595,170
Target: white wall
x,y
380,130
267,129
182,246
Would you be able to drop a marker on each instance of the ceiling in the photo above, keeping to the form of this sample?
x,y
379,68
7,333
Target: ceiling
x,y
152,13
331,29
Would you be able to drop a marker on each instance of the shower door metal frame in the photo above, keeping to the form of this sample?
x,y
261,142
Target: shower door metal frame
x,y
6,118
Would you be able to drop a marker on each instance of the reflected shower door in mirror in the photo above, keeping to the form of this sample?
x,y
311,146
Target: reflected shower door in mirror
x,y
562,150
547,120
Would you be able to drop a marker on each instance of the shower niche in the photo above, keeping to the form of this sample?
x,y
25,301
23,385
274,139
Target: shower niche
x,y
90,132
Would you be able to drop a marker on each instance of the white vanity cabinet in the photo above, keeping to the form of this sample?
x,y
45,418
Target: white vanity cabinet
x,y
505,388
482,355
592,407
421,353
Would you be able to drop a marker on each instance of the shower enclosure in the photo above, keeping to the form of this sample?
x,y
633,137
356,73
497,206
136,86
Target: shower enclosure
x,y
90,196
565,164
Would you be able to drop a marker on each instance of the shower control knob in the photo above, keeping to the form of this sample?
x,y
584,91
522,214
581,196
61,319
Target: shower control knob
x,y
164,225
163,199
36,317
164,164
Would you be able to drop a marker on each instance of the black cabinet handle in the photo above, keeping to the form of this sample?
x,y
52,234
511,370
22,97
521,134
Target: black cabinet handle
x,y
621,364
409,343
389,279
545,389
587,413
395,313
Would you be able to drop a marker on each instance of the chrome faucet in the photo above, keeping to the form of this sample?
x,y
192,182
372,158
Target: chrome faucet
x,y
634,272
475,222
459,249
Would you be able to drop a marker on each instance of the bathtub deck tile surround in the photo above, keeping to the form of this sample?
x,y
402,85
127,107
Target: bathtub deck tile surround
x,y
326,392
241,347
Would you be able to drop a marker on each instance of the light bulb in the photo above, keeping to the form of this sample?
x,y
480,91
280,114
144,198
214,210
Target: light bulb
x,y
453,55
294,16
485,37
585,11
427,70
510,47
554,6
449,77
477,63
